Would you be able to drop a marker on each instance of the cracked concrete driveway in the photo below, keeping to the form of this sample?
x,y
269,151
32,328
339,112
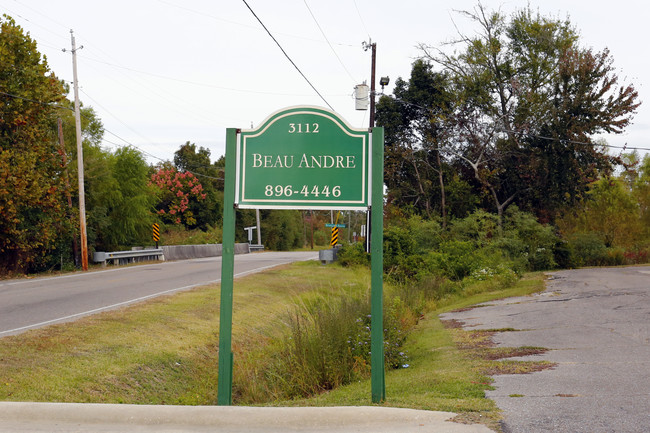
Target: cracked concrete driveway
x,y
597,324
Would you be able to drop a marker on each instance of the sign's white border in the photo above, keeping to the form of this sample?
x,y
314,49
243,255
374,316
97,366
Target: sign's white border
x,y
278,203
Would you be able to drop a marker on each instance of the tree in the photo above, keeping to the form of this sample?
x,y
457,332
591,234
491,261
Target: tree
x,y
416,170
176,192
528,101
188,158
609,211
282,229
131,214
101,187
32,210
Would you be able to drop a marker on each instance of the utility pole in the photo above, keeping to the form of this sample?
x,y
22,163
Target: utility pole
x,y
259,227
373,48
80,160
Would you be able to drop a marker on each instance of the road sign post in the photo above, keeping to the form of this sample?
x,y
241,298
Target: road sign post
x,y
156,233
377,379
224,387
303,158
335,236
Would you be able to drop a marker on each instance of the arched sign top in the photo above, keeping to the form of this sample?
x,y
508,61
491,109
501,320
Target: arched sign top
x,y
303,158
298,110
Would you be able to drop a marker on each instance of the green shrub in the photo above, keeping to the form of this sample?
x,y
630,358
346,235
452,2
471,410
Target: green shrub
x,y
562,254
587,249
399,244
503,273
524,237
427,234
353,255
616,257
480,227
456,259
322,238
179,235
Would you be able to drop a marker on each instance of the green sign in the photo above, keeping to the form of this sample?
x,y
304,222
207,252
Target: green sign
x,y
341,226
303,158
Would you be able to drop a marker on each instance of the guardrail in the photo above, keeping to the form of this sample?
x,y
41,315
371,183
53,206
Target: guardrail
x,y
126,257
167,253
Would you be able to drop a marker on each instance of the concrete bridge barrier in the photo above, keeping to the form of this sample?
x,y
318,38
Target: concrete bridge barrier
x,y
183,252
172,252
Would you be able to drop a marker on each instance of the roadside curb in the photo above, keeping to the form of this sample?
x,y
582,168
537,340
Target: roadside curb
x,y
16,416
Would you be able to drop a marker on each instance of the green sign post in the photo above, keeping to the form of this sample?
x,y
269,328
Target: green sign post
x,y
303,158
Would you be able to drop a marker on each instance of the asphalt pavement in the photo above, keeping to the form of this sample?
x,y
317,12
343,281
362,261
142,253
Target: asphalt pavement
x,y
28,303
597,324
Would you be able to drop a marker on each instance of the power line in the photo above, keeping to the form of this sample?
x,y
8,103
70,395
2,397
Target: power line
x,y
361,18
195,83
204,14
154,156
128,143
529,134
328,41
47,104
287,55
14,14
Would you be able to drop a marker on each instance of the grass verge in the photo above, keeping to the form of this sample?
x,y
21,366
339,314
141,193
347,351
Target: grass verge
x,y
448,371
165,351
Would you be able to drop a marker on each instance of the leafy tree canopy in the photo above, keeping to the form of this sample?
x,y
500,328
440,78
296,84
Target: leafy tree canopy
x,y
31,182
528,102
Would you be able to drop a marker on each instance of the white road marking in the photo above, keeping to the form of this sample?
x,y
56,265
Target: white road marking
x,y
131,301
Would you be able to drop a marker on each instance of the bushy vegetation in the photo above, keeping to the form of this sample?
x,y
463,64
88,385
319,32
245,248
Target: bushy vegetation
x,y
326,340
416,249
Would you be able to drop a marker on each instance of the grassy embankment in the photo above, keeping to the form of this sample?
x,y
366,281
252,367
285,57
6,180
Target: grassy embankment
x,y
165,351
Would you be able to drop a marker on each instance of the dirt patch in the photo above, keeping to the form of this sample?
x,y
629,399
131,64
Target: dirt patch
x,y
479,344
511,352
452,324
495,368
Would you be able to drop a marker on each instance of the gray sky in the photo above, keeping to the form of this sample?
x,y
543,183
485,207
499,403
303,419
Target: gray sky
x,y
163,72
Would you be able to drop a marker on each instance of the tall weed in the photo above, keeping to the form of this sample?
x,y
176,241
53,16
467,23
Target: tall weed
x,y
327,344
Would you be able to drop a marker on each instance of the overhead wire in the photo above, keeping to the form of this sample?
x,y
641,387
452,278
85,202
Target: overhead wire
x,y
214,17
48,104
195,83
532,135
149,154
149,93
141,84
142,136
14,14
127,143
328,42
361,18
287,55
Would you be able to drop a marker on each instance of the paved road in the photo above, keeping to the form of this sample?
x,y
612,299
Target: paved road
x,y
32,303
597,323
